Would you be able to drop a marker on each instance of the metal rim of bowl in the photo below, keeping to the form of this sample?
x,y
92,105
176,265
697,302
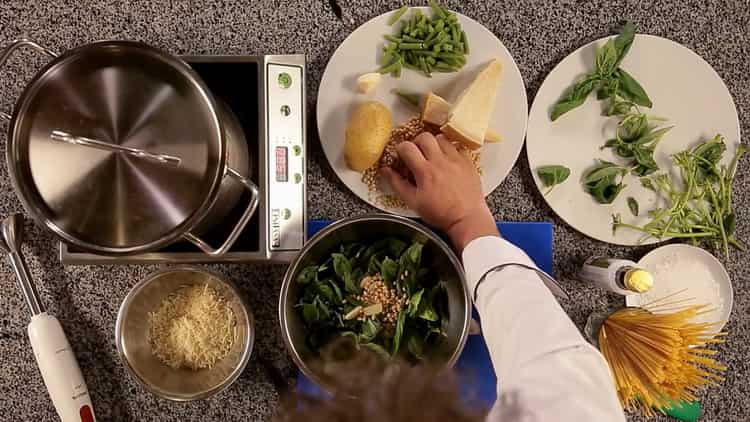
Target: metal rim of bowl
x,y
357,219
247,348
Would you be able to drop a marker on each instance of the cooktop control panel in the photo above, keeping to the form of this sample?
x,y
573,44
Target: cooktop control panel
x,y
286,156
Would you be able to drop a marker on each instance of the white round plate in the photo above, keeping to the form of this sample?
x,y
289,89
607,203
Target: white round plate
x,y
683,87
358,54
666,259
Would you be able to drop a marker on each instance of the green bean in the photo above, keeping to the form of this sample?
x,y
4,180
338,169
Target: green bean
x,y
437,9
391,38
465,41
411,46
455,36
440,38
411,66
427,53
423,65
439,25
397,15
430,60
390,68
409,38
447,47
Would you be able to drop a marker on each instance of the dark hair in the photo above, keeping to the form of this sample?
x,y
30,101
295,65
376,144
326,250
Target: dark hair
x,y
371,389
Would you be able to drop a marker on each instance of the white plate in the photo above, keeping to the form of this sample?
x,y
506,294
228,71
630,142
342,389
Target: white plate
x,y
358,54
683,87
666,259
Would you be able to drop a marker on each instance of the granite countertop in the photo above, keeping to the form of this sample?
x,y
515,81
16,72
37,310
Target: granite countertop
x,y
538,34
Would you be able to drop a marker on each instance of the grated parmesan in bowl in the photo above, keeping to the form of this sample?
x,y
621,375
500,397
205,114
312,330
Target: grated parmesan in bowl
x,y
687,275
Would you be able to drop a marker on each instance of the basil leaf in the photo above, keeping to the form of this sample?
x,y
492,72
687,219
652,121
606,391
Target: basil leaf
x,y
607,89
399,332
414,302
606,59
603,170
624,41
575,96
633,205
389,271
307,274
552,175
631,90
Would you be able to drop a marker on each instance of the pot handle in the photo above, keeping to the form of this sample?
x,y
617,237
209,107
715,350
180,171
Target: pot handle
x,y
246,216
13,46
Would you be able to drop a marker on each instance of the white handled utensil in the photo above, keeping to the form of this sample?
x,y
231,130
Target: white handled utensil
x,y
53,354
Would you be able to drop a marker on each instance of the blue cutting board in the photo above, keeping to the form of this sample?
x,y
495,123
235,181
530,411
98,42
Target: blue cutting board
x,y
477,377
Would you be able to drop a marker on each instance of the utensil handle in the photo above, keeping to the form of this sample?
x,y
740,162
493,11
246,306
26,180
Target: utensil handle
x,y
60,370
13,46
237,230
60,136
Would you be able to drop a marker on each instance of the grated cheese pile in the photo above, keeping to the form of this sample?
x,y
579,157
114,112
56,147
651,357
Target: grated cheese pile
x,y
193,328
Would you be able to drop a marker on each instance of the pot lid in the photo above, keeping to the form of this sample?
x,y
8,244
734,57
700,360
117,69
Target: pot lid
x,y
117,147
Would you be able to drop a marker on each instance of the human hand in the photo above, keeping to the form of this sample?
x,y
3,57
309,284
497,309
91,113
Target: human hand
x,y
447,192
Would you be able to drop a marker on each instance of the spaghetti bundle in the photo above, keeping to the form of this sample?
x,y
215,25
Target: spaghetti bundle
x,y
659,358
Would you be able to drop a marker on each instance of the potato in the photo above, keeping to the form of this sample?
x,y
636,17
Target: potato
x,y
367,134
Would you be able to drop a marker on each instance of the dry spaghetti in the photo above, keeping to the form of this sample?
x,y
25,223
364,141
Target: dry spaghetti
x,y
659,358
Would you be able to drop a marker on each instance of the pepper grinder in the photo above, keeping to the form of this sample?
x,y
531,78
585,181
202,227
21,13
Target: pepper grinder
x,y
52,351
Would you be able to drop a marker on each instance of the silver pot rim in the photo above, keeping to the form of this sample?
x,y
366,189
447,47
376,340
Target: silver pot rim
x,y
294,267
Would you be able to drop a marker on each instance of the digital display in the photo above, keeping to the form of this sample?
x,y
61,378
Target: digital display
x,y
282,164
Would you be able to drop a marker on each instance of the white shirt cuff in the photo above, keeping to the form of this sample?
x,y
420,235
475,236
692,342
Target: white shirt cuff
x,y
485,253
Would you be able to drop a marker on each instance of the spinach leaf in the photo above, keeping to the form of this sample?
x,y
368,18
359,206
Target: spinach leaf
x,y
552,175
414,254
415,345
370,330
396,246
631,90
377,349
399,332
343,269
310,312
336,290
374,266
427,311
389,271
575,96
307,274
326,292
633,205
730,223
414,302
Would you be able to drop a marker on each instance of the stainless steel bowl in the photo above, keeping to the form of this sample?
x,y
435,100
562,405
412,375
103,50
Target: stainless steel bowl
x,y
132,337
368,228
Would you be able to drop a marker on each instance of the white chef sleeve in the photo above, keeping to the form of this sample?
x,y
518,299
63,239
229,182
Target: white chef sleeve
x,y
546,371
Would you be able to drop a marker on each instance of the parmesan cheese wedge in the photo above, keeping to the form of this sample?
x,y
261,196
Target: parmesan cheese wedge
x,y
470,115
436,111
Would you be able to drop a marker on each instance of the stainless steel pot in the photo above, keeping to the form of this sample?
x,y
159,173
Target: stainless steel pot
x,y
369,228
119,148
